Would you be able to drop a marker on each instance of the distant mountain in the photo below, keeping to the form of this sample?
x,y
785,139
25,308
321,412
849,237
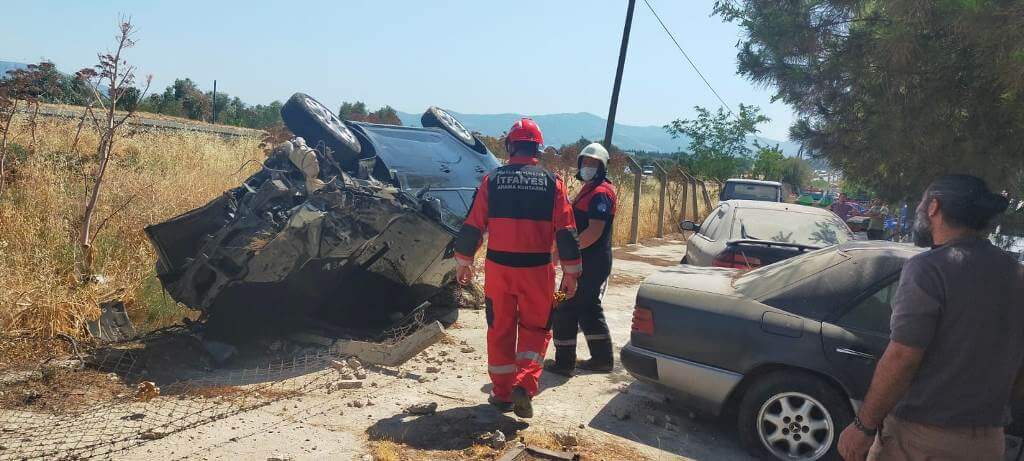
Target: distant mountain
x,y
562,129
8,65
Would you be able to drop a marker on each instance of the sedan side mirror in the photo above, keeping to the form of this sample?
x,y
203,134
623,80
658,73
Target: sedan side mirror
x,y
689,226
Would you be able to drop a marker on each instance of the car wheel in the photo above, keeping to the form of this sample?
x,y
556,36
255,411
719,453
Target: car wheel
x,y
435,117
314,122
792,416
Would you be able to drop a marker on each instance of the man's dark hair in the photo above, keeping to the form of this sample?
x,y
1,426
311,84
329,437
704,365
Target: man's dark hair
x,y
966,201
524,148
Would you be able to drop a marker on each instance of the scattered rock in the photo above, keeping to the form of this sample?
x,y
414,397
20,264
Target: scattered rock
x,y
348,384
367,458
361,374
468,350
567,439
427,408
354,363
277,457
433,369
347,376
582,426
340,366
442,353
373,384
357,404
152,435
423,379
369,402
621,414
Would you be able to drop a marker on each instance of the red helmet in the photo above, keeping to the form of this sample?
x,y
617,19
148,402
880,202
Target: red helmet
x,y
525,129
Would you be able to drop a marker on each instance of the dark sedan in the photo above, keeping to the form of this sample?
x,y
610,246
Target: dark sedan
x,y
788,349
746,234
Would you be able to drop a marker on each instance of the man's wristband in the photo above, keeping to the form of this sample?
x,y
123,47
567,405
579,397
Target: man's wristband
x,y
861,427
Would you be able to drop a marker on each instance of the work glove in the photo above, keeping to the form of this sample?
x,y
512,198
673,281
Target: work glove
x,y
568,285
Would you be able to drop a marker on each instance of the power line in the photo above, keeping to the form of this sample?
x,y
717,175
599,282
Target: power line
x,y
706,82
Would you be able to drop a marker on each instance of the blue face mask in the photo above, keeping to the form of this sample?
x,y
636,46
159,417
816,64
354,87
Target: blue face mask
x,y
588,173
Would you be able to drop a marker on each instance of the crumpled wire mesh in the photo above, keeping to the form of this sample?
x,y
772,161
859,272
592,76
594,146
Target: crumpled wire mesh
x,y
106,428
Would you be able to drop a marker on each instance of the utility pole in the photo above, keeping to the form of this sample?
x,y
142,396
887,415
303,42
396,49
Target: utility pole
x,y
214,102
618,76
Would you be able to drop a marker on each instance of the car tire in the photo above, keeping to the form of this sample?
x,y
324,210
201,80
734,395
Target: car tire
x,y
436,117
799,402
314,122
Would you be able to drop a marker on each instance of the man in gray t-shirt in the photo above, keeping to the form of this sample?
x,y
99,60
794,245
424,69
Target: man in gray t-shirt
x,y
955,358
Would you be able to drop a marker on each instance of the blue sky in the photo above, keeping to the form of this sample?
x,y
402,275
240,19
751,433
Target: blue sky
x,y
472,56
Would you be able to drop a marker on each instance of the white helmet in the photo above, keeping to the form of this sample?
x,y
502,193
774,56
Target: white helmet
x,y
596,151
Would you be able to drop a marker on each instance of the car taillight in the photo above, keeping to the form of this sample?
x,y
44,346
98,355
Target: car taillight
x,y
643,321
734,260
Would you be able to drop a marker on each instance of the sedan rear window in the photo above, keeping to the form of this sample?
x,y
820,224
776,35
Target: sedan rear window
x,y
774,277
761,192
786,226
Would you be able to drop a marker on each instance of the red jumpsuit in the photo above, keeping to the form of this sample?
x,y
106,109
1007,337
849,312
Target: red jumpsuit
x,y
524,211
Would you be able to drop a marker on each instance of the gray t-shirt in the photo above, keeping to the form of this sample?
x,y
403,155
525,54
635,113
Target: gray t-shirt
x,y
963,303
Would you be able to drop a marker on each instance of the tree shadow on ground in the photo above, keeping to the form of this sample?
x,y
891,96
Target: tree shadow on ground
x,y
651,418
453,429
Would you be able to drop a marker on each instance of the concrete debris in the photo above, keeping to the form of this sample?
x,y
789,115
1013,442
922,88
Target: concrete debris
x,y
354,363
351,384
427,408
147,391
361,374
391,355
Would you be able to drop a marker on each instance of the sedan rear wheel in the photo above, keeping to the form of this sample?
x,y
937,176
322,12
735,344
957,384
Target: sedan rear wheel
x,y
793,416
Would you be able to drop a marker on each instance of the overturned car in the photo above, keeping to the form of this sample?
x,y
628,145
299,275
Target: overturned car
x,y
349,222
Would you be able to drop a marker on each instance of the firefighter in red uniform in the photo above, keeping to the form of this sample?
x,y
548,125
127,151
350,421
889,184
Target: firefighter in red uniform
x,y
594,211
524,210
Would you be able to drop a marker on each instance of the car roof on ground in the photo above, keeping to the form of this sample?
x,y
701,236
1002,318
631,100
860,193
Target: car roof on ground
x,y
776,206
753,181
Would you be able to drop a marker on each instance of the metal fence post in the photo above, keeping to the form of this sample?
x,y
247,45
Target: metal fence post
x,y
661,199
634,227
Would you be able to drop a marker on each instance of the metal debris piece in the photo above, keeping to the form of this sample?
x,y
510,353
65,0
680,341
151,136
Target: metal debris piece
x,y
390,355
113,324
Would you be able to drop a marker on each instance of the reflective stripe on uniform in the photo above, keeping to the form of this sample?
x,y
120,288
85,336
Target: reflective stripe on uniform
x,y
596,337
564,342
529,355
502,369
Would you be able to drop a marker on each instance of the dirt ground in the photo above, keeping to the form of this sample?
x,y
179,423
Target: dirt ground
x,y
608,416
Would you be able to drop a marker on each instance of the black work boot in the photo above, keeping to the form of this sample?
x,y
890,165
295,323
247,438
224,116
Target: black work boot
x,y
564,362
602,359
501,405
522,403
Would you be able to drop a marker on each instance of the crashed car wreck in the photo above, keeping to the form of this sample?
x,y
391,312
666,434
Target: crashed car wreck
x,y
349,222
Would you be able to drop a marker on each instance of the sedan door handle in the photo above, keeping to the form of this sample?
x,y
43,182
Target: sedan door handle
x,y
855,353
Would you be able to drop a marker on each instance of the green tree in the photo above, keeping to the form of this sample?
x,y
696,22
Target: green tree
x,y
352,111
768,163
894,93
718,141
796,171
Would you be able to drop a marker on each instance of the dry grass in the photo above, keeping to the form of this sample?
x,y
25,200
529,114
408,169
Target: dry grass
x,y
158,174
386,450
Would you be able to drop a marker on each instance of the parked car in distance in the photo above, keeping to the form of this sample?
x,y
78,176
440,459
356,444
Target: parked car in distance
x,y
648,170
751,189
786,351
746,234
